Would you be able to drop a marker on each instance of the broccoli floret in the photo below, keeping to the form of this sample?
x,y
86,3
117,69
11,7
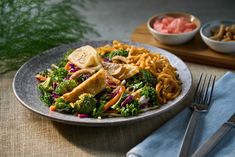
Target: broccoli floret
x,y
86,103
45,96
64,60
63,106
150,93
45,89
115,53
59,74
130,109
46,85
65,86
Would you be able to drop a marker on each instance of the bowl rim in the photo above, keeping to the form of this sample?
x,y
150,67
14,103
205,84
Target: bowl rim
x,y
215,41
173,34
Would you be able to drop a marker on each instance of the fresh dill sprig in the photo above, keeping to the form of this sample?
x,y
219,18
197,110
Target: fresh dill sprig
x,y
28,27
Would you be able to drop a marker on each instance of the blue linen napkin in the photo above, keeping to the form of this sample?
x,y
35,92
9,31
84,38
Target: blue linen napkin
x,y
166,141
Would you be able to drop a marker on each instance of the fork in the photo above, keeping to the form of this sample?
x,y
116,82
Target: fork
x,y
201,103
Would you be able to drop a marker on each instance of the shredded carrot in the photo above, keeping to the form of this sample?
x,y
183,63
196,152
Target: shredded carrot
x,y
40,77
67,66
115,99
111,111
52,108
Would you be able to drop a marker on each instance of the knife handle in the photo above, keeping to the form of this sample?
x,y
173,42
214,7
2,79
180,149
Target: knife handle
x,y
205,148
188,135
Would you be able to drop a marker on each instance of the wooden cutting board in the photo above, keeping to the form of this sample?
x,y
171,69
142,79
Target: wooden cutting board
x,y
193,51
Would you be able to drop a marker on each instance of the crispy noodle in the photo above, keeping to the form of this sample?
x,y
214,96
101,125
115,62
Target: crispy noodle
x,y
168,86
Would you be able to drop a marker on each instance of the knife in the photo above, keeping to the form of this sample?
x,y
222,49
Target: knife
x,y
205,148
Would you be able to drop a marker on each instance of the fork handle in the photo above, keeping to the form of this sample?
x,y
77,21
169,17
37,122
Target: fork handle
x,y
188,135
205,148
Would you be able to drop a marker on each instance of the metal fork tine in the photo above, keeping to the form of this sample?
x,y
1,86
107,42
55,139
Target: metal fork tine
x,y
212,89
201,90
198,84
206,91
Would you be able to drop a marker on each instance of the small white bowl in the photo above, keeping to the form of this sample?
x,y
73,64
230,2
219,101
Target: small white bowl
x,y
173,39
219,46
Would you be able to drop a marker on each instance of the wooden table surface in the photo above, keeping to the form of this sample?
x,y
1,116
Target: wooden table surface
x,y
24,133
195,50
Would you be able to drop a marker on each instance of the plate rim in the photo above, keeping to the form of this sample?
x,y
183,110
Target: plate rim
x,y
126,120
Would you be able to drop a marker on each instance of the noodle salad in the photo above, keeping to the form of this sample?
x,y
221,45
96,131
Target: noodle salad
x,y
109,81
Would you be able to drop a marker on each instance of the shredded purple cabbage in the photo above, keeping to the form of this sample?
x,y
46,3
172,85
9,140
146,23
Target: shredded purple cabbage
x,y
106,60
111,84
86,76
72,70
127,100
54,85
82,115
72,65
66,78
144,105
113,94
54,95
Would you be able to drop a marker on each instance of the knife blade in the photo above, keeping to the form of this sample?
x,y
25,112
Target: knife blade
x,y
205,148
